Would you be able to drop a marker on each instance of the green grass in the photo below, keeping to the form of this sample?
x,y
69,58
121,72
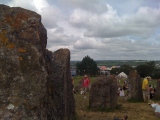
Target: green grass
x,y
100,109
134,111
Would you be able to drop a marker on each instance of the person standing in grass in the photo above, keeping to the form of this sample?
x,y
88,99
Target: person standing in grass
x,y
86,83
145,88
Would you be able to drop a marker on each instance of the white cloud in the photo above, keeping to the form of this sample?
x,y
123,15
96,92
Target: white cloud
x,y
27,4
88,43
40,4
50,16
88,5
109,24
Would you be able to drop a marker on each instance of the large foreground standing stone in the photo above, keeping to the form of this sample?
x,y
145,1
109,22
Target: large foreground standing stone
x,y
103,93
135,86
35,84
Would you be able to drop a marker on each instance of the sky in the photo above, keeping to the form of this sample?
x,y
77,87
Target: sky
x,y
101,29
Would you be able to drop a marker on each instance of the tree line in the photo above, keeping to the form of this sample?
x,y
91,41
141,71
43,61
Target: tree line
x,y
89,66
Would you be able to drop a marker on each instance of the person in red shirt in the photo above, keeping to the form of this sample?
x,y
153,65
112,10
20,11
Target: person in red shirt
x,y
86,83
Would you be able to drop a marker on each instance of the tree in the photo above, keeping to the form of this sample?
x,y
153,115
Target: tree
x,y
115,71
87,66
156,74
146,69
126,68
143,70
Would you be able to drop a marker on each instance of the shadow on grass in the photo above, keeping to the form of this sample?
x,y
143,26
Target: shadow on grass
x,y
104,109
134,100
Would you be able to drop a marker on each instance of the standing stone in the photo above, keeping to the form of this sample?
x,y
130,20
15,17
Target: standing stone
x,y
157,93
23,75
135,86
103,93
60,99
33,85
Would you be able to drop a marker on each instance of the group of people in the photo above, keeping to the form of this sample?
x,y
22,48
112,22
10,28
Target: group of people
x,y
122,89
148,94
148,91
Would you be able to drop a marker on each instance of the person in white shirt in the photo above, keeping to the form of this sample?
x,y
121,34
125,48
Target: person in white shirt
x,y
157,109
121,93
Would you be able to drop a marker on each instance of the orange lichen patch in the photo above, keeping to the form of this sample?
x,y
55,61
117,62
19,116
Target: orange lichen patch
x,y
21,50
8,19
16,22
10,46
20,58
22,16
3,38
13,22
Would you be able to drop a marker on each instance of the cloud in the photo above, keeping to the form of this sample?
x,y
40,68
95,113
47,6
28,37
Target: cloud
x,y
40,4
88,43
50,16
110,24
102,29
94,6
27,4
56,37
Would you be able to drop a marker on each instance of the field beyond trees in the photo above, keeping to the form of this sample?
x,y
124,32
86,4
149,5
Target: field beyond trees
x,y
134,110
110,63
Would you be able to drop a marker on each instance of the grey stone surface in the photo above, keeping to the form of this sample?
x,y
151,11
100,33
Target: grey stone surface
x,y
103,93
157,93
135,86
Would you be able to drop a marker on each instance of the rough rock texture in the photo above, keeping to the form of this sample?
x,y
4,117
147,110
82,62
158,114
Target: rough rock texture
x,y
103,93
29,88
60,99
157,93
135,86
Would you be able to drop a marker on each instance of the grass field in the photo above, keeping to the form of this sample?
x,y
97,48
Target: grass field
x,y
134,111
